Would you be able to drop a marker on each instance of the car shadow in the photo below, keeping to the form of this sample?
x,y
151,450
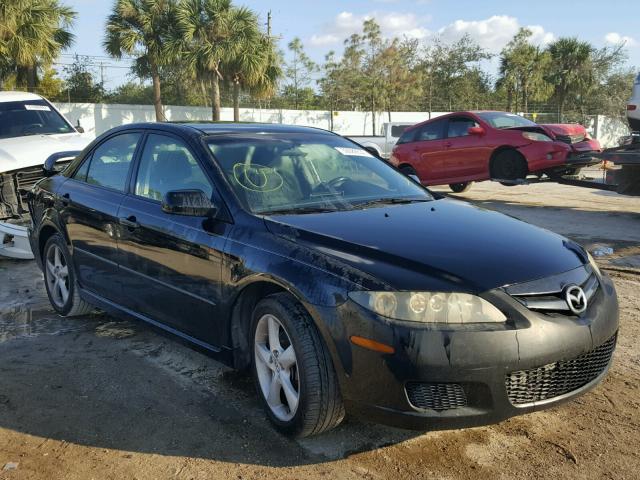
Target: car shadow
x,y
100,382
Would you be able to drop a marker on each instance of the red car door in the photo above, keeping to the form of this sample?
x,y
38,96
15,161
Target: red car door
x,y
428,151
467,155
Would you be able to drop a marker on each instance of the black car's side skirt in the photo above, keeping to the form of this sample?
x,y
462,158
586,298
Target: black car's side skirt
x,y
223,354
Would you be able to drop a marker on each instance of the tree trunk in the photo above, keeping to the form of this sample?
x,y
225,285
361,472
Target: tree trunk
x,y
32,78
236,101
215,98
157,97
373,115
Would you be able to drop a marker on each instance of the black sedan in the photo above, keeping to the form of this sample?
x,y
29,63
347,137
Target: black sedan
x,y
341,283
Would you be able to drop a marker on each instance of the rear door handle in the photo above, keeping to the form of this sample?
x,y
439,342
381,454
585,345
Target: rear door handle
x,y
130,222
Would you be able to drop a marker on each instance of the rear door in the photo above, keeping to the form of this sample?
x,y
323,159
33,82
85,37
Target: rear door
x,y
171,264
428,151
90,201
467,155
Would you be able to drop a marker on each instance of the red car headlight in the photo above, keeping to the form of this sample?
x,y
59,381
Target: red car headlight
x,y
537,137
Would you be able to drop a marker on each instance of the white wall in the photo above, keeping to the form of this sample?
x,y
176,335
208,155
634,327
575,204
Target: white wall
x,y
98,118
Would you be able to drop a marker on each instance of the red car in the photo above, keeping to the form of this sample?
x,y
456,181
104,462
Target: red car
x,y
460,148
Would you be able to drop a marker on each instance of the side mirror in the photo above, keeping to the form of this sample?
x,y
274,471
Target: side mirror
x,y
49,168
79,128
475,130
192,203
414,177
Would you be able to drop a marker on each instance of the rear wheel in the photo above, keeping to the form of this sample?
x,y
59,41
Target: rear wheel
x,y
60,279
509,165
292,369
460,187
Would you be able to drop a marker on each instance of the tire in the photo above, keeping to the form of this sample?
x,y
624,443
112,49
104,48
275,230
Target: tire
x,y
59,276
408,171
319,404
460,187
509,165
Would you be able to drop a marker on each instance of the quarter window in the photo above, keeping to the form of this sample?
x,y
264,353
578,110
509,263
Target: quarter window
x,y
110,162
167,165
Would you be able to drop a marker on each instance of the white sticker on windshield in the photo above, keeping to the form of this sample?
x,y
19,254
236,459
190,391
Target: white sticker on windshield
x,y
354,152
42,108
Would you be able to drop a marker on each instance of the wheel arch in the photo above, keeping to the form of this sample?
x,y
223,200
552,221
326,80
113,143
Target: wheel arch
x,y
45,233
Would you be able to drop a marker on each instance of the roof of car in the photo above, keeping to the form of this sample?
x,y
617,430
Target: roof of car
x,y
214,128
9,96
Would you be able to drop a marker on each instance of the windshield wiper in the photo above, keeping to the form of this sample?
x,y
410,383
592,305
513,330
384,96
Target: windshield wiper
x,y
298,210
389,201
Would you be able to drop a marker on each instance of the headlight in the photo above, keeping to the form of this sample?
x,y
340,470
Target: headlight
x,y
536,137
593,264
429,307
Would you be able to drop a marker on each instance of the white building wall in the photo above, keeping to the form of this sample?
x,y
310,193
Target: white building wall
x,y
98,118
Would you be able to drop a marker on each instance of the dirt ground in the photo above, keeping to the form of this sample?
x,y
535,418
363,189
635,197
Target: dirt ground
x,y
100,398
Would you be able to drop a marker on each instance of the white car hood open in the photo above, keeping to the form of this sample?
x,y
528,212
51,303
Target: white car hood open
x,y
21,152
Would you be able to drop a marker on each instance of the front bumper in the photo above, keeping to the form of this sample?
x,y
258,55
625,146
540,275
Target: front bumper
x,y
466,361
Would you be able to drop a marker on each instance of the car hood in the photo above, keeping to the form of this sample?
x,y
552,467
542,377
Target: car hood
x,y
565,128
33,150
438,245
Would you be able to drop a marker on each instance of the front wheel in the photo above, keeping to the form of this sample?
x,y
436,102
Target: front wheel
x,y
460,187
292,369
509,165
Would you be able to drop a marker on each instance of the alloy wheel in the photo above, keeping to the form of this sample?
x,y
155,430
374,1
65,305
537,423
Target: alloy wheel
x,y
277,367
57,276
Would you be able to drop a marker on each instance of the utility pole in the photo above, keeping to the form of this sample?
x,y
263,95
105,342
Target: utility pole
x,y
269,24
101,74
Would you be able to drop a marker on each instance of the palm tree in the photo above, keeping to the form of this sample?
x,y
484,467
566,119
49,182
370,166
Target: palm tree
x,y
142,28
212,33
254,67
32,35
569,68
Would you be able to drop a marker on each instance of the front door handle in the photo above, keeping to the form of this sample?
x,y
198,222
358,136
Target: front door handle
x,y
130,222
447,144
65,199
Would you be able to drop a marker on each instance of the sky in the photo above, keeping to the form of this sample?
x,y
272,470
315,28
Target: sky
x,y
323,25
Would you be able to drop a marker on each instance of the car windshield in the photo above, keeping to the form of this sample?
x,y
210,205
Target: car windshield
x,y
304,173
30,117
505,120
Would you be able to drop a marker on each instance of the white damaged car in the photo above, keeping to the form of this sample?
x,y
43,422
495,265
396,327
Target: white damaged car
x,y
31,129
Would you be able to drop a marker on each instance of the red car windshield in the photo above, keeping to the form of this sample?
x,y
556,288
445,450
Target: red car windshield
x,y
505,120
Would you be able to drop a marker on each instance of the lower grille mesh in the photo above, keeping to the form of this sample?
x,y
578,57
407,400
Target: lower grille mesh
x,y
558,378
436,396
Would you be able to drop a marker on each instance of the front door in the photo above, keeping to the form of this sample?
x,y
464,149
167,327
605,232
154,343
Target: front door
x,y
171,264
467,155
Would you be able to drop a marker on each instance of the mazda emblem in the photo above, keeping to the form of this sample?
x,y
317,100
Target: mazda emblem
x,y
576,299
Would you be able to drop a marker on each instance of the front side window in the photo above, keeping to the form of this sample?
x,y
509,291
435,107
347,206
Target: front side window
x,y
459,127
30,117
297,172
167,165
110,161
431,131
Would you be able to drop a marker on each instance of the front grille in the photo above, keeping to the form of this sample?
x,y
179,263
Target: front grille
x,y
436,396
547,295
558,378
27,178
571,139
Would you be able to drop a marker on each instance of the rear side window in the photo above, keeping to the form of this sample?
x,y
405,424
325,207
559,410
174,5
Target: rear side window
x,y
459,127
431,131
110,161
407,136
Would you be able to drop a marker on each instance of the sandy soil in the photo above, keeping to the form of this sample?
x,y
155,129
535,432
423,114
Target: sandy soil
x,y
101,398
